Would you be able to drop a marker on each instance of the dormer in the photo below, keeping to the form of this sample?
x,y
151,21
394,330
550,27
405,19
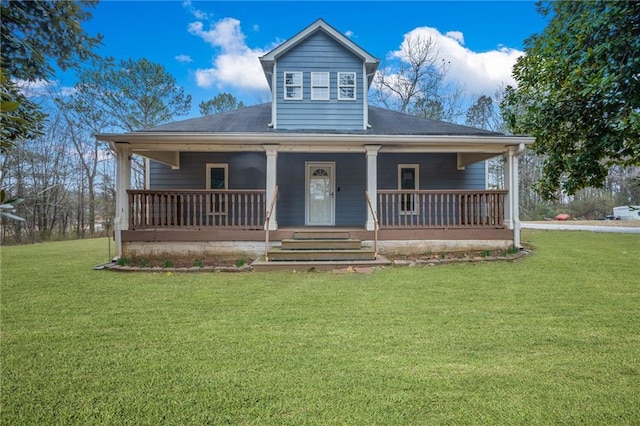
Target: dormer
x,y
319,80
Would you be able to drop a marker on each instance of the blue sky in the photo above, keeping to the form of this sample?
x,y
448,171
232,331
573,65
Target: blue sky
x,y
212,47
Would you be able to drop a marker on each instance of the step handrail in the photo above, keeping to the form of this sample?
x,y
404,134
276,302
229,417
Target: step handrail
x,y
375,224
266,223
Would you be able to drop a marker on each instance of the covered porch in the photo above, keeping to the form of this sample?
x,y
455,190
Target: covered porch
x,y
256,218
454,218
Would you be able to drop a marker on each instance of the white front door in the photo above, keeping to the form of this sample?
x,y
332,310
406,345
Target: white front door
x,y
320,194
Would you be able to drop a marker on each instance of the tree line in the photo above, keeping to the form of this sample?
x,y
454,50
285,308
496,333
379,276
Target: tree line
x,y
57,180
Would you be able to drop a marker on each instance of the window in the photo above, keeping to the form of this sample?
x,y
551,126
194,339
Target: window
x,y
217,179
320,86
408,178
346,86
293,85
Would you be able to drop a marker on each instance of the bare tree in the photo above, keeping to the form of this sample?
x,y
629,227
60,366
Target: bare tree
x,y
414,82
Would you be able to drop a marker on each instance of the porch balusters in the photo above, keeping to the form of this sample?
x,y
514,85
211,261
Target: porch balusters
x,y
159,209
441,209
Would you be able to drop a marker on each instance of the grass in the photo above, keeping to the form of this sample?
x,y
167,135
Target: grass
x,y
552,338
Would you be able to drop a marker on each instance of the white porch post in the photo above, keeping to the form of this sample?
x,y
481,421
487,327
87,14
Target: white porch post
x,y
372,182
512,203
272,168
123,182
508,185
515,190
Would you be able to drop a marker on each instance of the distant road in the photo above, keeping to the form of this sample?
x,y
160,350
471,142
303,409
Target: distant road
x,y
572,226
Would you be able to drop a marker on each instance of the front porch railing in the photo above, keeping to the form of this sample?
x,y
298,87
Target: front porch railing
x,y
441,209
153,209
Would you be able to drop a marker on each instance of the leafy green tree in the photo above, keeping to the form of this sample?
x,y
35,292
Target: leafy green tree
x,y
578,93
221,103
130,95
35,35
19,117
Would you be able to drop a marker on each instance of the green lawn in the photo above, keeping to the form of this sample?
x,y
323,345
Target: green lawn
x,y
551,338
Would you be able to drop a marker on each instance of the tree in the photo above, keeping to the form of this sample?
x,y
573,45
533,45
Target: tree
x,y
414,82
578,93
482,114
221,103
130,96
33,35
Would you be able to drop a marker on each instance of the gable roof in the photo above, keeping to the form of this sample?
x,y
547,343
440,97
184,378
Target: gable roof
x,y
255,119
268,60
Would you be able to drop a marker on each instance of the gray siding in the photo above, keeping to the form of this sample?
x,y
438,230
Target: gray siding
x,y
320,53
437,171
247,170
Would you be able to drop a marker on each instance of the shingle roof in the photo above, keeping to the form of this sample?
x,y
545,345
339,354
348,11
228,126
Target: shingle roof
x,y
255,119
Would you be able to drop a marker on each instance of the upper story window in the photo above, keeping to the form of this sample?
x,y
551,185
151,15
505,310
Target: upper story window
x,y
346,86
293,85
320,86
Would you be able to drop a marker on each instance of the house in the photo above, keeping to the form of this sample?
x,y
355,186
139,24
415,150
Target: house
x,y
317,158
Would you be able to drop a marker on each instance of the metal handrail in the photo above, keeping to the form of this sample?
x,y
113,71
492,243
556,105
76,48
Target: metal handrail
x,y
375,224
266,223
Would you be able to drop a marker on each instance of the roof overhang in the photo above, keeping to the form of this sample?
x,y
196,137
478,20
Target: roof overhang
x,y
157,146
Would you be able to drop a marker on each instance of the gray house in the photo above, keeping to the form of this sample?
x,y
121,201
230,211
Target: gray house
x,y
317,159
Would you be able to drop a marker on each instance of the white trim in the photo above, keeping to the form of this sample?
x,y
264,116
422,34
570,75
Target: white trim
x,y
326,86
416,178
123,182
274,97
339,86
293,85
147,173
372,182
170,140
271,152
308,166
365,99
486,174
341,38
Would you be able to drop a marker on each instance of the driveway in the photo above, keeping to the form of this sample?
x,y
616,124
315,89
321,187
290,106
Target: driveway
x,y
564,226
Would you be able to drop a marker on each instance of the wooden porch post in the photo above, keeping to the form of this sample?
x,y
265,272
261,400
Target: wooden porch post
x,y
372,182
272,169
123,182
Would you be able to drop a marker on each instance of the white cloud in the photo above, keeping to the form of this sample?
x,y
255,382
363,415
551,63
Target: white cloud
x,y
185,59
39,88
456,35
478,72
198,14
349,33
236,65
